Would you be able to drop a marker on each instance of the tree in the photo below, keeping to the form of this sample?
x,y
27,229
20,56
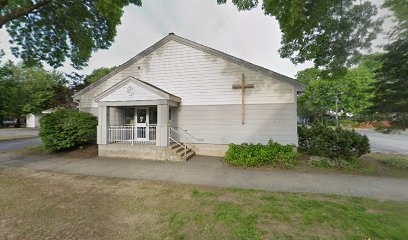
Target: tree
x,y
98,74
83,81
51,31
391,85
31,90
43,90
331,33
400,10
352,90
8,88
308,75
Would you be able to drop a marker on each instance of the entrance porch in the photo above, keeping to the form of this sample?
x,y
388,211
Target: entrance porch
x,y
134,121
135,124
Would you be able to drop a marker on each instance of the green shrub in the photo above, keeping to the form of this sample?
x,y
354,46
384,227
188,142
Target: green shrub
x,y
337,144
254,155
67,128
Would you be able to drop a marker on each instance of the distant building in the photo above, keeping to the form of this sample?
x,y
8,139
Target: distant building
x,y
33,120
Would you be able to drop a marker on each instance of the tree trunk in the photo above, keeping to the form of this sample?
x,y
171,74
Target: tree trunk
x,y
17,13
18,123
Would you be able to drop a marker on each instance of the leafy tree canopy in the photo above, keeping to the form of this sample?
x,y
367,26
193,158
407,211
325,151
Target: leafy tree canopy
x,y
400,9
331,33
308,75
81,81
391,87
352,90
98,74
50,31
31,90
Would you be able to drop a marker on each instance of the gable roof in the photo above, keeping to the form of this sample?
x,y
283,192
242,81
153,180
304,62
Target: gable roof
x,y
298,85
144,85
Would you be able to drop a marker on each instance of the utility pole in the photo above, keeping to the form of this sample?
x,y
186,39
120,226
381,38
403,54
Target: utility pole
x,y
337,113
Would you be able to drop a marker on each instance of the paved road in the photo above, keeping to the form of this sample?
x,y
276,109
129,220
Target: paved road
x,y
11,145
211,171
387,143
16,132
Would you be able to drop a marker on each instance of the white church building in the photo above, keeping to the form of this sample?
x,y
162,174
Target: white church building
x,y
178,98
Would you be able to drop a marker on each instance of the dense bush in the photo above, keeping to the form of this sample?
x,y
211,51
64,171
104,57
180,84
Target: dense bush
x,y
332,143
251,155
67,128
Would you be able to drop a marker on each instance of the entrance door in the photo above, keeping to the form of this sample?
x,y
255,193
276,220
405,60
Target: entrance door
x,y
142,134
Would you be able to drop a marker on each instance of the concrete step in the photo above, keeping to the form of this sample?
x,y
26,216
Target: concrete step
x,y
174,145
181,152
177,149
190,155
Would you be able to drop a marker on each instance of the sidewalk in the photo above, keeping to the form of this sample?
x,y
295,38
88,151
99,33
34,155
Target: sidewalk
x,y
211,171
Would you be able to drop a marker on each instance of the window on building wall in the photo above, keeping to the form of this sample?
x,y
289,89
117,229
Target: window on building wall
x,y
153,115
130,116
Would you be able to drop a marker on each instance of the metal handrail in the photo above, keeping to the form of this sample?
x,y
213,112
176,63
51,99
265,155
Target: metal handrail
x,y
174,140
185,131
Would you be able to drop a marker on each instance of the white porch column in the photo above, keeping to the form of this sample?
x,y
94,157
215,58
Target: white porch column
x,y
103,119
162,131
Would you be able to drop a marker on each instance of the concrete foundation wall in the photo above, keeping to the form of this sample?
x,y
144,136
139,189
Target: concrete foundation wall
x,y
216,150
138,151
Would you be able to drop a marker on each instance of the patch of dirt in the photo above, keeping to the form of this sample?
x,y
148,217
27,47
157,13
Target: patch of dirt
x,y
375,211
88,151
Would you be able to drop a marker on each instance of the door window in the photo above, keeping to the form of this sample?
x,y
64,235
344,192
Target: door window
x,y
141,115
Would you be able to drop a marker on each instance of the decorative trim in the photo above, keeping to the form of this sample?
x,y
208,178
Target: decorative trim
x,y
138,103
148,87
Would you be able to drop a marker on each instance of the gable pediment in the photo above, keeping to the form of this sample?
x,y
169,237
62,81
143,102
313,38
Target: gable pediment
x,y
132,89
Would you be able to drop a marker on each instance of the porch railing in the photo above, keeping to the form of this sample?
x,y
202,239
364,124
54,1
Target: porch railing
x,y
132,134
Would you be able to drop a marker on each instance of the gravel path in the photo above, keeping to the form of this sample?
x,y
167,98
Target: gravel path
x,y
211,171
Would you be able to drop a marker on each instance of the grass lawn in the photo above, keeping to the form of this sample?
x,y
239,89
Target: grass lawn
x,y
43,205
372,164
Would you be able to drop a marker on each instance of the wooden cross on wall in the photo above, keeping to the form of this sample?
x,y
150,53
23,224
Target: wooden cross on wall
x,y
242,86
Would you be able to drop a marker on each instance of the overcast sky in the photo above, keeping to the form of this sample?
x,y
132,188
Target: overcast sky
x,y
249,35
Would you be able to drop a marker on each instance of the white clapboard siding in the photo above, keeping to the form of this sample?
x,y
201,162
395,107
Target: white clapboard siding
x,y
198,78
221,124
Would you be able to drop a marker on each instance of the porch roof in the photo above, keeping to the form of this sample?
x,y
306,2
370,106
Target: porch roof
x,y
132,89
